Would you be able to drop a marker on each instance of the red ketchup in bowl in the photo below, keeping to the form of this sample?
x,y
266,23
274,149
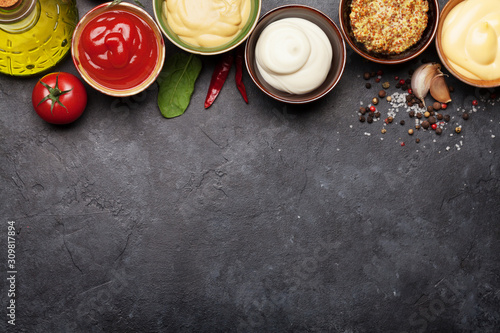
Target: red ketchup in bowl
x,y
118,49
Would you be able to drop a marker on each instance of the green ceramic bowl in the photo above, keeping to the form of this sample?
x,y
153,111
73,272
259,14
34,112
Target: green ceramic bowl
x,y
240,38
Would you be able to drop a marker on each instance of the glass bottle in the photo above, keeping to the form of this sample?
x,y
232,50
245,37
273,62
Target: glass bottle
x,y
35,34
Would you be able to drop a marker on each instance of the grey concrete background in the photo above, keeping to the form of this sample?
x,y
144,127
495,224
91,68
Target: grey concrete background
x,y
263,217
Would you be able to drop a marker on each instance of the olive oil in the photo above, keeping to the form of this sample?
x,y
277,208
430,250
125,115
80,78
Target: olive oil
x,y
35,34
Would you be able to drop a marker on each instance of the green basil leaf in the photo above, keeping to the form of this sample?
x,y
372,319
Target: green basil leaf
x,y
176,81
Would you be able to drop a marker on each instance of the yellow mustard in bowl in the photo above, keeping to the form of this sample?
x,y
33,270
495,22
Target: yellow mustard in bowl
x,y
207,23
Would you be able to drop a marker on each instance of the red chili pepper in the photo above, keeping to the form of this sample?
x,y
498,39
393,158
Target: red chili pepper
x,y
218,78
239,73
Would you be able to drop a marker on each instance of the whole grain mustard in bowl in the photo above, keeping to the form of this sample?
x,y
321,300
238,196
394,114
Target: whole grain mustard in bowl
x,y
207,27
389,32
468,41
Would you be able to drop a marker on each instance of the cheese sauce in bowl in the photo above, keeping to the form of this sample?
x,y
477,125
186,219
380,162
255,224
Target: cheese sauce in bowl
x,y
207,26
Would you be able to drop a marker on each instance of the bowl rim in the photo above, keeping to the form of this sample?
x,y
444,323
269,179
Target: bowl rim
x,y
472,82
342,6
143,14
201,51
330,87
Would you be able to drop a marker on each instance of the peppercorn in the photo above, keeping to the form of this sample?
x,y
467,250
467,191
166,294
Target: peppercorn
x,y
382,93
375,100
372,108
427,114
410,103
430,108
439,116
436,106
434,126
425,124
458,129
398,85
402,122
417,140
439,131
389,98
372,74
377,80
447,118
383,130
402,81
420,105
380,72
368,85
362,110
371,114
386,85
417,127
362,119
366,76
419,115
412,114
389,119
444,106
465,116
432,120
410,131
369,120
377,114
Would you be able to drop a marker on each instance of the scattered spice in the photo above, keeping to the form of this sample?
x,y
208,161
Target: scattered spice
x,y
375,100
458,129
383,130
475,102
386,85
382,93
427,114
439,130
410,131
362,119
402,122
425,124
436,106
465,116
368,85
366,76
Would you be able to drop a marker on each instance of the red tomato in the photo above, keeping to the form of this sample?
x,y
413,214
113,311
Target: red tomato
x,y
59,98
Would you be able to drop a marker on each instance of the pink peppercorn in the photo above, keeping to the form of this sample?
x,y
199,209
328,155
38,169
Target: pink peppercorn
x,y
474,102
373,109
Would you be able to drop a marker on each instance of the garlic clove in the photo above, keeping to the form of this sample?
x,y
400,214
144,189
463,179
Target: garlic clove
x,y
422,77
439,89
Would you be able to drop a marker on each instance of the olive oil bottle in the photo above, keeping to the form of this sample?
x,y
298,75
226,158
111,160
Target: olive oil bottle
x,y
35,34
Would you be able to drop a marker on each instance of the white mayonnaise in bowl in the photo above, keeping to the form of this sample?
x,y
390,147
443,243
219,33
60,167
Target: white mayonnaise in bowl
x,y
296,54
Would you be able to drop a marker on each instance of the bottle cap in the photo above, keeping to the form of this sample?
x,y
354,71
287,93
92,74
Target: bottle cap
x,y
9,3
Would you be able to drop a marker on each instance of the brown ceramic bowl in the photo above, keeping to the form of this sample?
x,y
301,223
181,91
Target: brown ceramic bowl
x,y
476,83
333,34
411,53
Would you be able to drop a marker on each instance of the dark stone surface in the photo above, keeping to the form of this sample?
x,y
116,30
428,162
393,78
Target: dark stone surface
x,y
259,217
